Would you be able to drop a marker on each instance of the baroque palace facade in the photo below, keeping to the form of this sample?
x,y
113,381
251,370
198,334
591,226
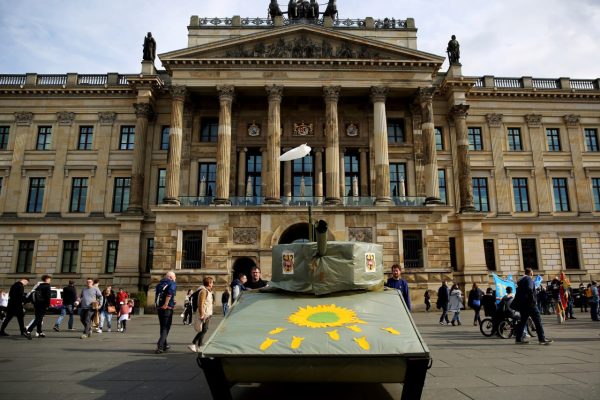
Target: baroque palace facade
x,y
124,177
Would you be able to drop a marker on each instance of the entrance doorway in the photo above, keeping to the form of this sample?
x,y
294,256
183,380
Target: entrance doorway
x,y
242,265
297,233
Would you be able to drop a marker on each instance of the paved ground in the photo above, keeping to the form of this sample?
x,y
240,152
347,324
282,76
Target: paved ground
x,y
466,366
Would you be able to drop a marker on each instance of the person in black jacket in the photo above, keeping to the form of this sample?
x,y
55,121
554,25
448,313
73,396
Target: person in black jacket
x,y
526,303
41,302
442,303
475,298
15,307
69,296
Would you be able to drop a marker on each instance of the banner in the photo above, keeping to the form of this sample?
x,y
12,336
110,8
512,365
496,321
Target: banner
x,y
502,284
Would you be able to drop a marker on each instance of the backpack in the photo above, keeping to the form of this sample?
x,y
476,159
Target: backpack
x,y
159,298
194,299
32,296
588,292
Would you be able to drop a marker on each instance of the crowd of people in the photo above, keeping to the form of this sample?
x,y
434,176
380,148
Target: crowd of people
x,y
93,307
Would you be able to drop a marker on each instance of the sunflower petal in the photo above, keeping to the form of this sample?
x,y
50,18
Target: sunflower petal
x,y
362,342
296,342
391,330
267,343
354,328
276,331
334,335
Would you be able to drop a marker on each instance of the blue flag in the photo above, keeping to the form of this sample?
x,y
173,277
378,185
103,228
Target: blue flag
x,y
502,284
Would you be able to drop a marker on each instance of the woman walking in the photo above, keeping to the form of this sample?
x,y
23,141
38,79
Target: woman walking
x,y
205,311
474,301
107,309
455,304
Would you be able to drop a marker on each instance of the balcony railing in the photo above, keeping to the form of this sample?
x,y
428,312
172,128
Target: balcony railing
x,y
492,82
302,201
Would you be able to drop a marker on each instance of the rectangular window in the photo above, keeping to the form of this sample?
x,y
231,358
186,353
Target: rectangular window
x,y
514,139
25,256
192,250
4,137
86,134
561,194
395,130
529,251
596,191
553,138
164,138
121,194
209,129
475,139
44,139
397,179
490,254
453,262
571,253
161,185
591,139
443,186
78,195
351,171
412,243
35,199
149,254
521,194
207,179
112,250
70,256
254,172
439,138
127,138
480,194
302,171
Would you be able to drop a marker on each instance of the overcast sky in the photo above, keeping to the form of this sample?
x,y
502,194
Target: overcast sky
x,y
508,38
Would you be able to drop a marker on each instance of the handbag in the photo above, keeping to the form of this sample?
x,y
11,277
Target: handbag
x,y
198,324
95,305
477,303
111,309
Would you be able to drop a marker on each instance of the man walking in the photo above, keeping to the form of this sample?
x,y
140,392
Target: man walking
x,y
525,302
396,282
69,296
442,303
41,295
165,303
15,307
89,301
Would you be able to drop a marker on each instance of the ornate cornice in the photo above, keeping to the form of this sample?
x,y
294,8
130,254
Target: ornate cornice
x,y
572,120
274,92
23,118
533,120
107,118
143,110
226,92
379,93
494,120
65,118
331,93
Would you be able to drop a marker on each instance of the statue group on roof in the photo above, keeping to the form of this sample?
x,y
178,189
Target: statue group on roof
x,y
303,9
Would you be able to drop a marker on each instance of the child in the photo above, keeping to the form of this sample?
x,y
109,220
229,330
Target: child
x,y
124,311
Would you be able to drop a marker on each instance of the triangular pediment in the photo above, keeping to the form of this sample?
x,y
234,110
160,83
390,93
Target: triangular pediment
x,y
301,42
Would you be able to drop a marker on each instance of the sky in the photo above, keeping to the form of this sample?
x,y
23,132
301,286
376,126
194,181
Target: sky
x,y
509,38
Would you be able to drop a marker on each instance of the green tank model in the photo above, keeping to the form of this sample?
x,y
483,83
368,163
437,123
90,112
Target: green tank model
x,y
325,317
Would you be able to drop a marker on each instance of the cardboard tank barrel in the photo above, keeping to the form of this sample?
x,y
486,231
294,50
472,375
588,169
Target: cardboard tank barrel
x,y
325,317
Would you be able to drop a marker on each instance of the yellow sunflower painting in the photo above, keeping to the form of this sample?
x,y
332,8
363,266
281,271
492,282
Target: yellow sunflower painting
x,y
323,316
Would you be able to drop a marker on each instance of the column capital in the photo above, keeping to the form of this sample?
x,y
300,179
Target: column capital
x,y
243,150
65,118
274,92
533,120
317,149
23,118
426,94
494,120
379,94
178,92
226,92
331,93
459,111
572,120
107,118
143,110
363,150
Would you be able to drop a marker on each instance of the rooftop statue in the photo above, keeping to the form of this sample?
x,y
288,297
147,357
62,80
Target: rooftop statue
x,y
453,51
274,10
149,48
331,10
302,9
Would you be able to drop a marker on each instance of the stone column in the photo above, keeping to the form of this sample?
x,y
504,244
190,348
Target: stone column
x,y
15,182
175,135
503,184
226,94
380,141
60,135
538,147
319,173
429,151
582,184
465,182
143,112
417,126
332,145
364,175
342,175
98,200
241,173
271,164
287,178
263,173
